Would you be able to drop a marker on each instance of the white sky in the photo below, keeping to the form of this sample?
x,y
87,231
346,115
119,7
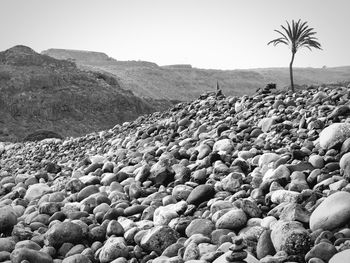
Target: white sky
x,y
222,34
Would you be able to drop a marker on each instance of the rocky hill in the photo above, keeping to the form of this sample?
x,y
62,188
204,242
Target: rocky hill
x,y
184,83
261,178
39,92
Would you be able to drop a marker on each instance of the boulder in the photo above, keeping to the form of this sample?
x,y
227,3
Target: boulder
x,y
158,239
21,254
36,191
8,218
114,248
333,212
234,219
334,135
291,237
64,232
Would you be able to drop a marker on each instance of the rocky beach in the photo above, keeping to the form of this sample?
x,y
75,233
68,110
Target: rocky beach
x,y
262,178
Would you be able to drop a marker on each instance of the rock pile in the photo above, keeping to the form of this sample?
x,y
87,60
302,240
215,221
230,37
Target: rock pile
x,y
252,179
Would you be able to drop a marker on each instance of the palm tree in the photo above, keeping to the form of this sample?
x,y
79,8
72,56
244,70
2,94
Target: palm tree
x,y
296,36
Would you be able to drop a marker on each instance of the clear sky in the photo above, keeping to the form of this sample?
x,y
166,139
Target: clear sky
x,y
222,34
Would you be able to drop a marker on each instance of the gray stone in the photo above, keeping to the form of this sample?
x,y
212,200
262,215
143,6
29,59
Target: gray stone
x,y
334,135
114,248
21,254
333,212
64,232
158,239
234,219
8,218
200,226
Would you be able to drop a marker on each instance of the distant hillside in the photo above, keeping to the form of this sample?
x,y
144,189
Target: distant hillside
x,y
38,92
183,82
306,76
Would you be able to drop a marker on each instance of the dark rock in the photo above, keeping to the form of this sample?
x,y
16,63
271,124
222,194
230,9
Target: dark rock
x,y
64,232
21,254
265,246
200,194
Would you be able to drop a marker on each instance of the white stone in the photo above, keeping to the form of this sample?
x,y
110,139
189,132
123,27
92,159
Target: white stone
x,y
333,212
334,134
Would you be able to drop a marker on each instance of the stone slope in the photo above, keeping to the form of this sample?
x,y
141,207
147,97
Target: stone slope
x,y
261,178
39,92
185,83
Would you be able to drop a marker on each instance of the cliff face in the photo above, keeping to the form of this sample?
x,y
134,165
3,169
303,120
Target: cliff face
x,y
40,92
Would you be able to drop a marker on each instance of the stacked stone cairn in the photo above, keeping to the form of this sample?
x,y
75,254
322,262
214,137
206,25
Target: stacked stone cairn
x,y
237,252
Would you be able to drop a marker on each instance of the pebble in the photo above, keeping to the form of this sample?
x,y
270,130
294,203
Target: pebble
x,y
63,232
235,219
333,212
200,226
36,190
334,134
21,254
7,244
113,248
200,194
265,246
78,258
291,237
340,257
322,250
159,238
8,219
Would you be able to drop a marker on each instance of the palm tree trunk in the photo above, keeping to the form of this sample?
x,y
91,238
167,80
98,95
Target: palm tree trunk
x,y
291,72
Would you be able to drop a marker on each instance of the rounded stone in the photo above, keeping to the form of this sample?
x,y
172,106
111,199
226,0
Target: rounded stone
x,y
200,194
87,191
64,232
333,212
265,246
317,161
77,258
340,257
200,226
25,254
114,248
291,237
334,135
234,219
158,239
344,165
114,228
223,145
322,250
7,244
36,191
8,218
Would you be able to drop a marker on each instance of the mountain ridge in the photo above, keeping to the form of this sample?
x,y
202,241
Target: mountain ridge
x,y
185,82
39,92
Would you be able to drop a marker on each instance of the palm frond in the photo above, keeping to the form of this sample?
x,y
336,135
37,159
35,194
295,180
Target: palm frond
x,y
297,34
284,35
278,41
295,28
301,29
288,31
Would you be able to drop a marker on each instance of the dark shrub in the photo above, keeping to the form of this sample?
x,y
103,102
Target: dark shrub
x,y
41,135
